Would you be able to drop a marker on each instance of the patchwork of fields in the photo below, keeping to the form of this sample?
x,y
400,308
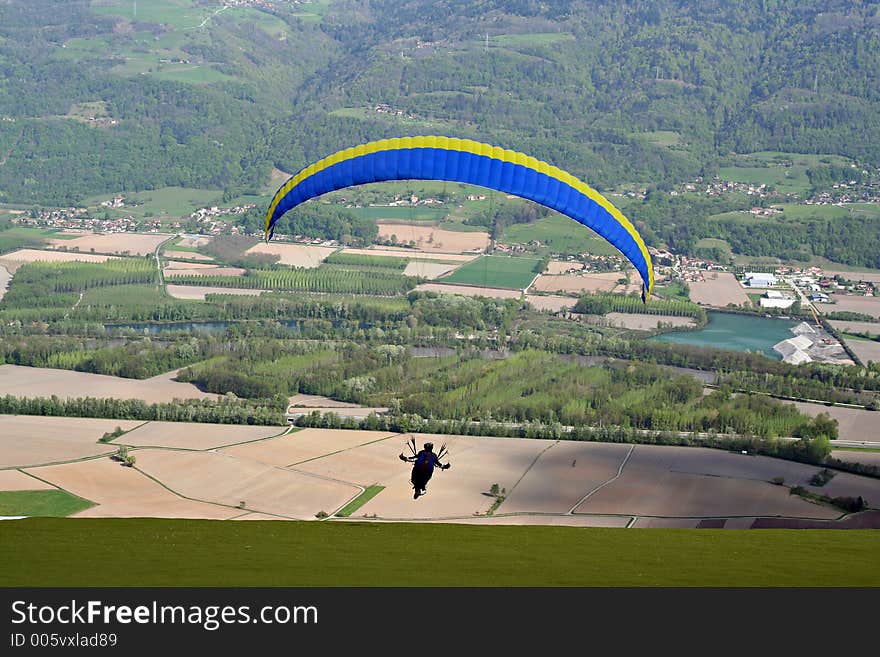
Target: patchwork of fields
x,y
241,472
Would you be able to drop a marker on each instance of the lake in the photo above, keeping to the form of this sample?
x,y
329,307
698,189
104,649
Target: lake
x,y
736,332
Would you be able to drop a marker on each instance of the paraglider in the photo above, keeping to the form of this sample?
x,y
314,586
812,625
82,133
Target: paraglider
x,y
471,162
424,461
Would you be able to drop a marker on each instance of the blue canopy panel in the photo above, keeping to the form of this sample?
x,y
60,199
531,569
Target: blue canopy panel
x,y
474,169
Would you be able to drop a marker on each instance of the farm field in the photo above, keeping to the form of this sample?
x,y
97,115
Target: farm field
x,y
865,305
557,267
638,322
470,290
183,435
719,289
203,271
872,276
198,292
550,302
208,471
558,234
868,457
18,480
136,244
871,328
413,254
27,440
45,382
586,283
37,255
295,255
226,480
121,492
5,277
866,350
496,271
201,257
429,270
433,239
853,423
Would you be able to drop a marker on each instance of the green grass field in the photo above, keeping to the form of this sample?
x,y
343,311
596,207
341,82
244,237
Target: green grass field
x,y
176,13
42,503
496,271
125,295
266,553
166,201
802,211
560,235
359,501
531,39
405,214
659,137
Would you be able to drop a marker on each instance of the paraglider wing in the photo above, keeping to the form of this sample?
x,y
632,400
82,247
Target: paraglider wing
x,y
475,163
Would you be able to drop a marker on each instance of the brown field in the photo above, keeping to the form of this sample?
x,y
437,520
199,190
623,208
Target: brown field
x,y
551,303
305,445
36,255
205,271
639,322
857,456
477,463
844,484
578,283
866,350
719,289
692,482
27,440
198,292
184,435
574,468
470,290
299,474
122,492
852,423
295,255
5,277
431,238
187,254
45,382
864,276
177,265
224,479
317,401
557,267
871,328
428,270
120,243
865,305
17,480
412,254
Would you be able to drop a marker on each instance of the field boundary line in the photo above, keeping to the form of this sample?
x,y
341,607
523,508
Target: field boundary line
x,y
339,451
531,465
605,483
196,499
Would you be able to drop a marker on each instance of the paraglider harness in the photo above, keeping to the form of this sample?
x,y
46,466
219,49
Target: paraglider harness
x,y
423,465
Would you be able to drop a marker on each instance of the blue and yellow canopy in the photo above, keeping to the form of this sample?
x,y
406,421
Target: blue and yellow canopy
x,y
474,163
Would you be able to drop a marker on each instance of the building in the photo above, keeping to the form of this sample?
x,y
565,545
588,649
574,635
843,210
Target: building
x,y
760,279
775,299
